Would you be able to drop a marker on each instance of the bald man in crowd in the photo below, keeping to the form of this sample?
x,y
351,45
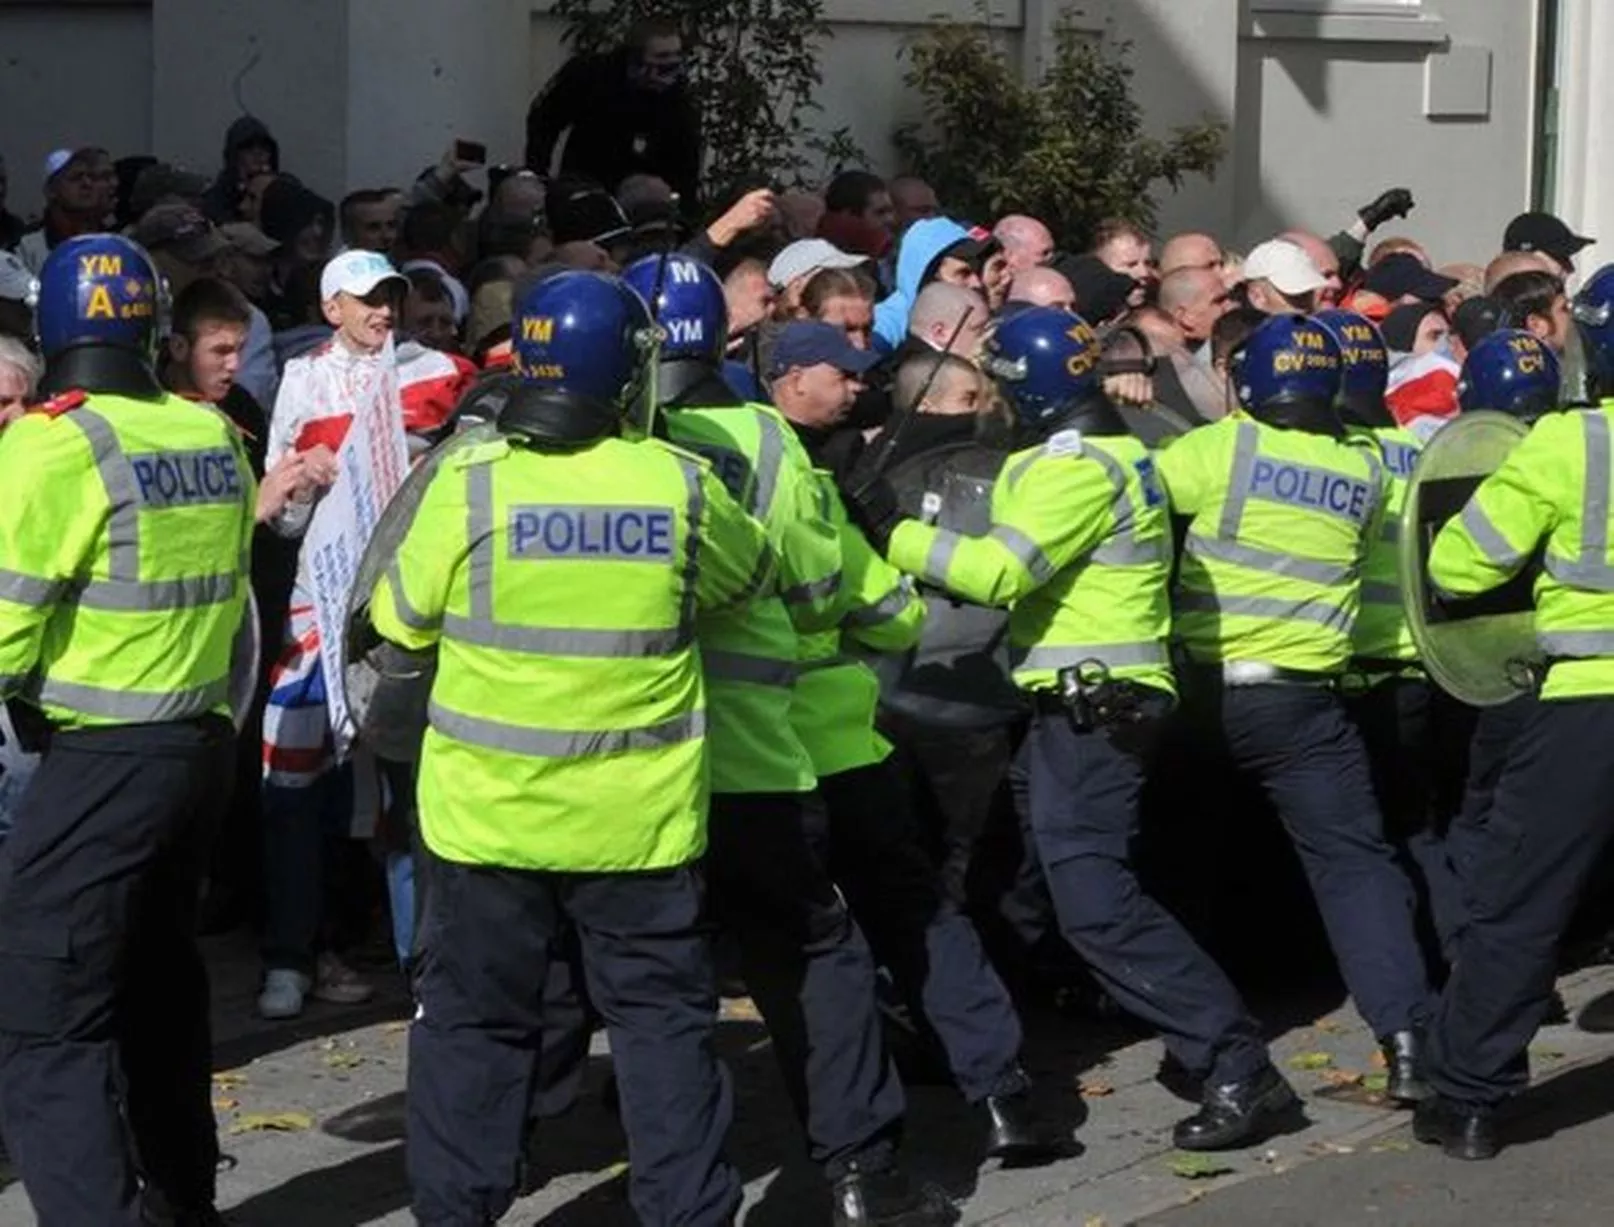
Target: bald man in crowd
x,y
936,315
1042,287
1510,262
1026,242
1192,249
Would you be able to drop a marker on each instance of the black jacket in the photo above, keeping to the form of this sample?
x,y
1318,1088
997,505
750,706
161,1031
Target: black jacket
x,y
222,200
617,129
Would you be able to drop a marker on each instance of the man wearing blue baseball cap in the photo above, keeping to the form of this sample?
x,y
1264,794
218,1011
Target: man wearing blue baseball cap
x,y
817,373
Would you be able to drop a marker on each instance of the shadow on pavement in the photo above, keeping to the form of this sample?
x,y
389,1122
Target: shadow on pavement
x,y
359,1190
1564,1102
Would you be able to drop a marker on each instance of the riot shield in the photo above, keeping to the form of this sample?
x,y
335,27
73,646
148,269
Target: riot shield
x,y
958,676
1481,651
387,687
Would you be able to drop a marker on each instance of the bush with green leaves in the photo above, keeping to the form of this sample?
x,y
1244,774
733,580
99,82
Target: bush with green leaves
x,y
1069,149
753,70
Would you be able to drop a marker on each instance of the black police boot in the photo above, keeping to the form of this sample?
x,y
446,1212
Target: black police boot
x,y
1403,1063
1018,1133
1239,1113
887,1198
1462,1130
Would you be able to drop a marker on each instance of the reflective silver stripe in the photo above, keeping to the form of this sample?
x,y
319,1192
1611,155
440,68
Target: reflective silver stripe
x,y
563,641
887,607
1485,534
123,523
563,743
191,592
1592,576
1331,616
1128,553
1379,593
1270,561
1026,551
1245,444
738,667
1590,570
690,574
770,454
1025,462
814,590
130,705
22,589
407,613
1594,497
1125,514
1577,643
940,556
1115,655
479,540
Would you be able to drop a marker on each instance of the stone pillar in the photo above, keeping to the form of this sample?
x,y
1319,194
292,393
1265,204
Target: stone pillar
x,y
1585,159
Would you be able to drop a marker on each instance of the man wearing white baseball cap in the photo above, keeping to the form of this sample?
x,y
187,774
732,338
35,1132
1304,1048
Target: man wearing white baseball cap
x,y
360,294
794,266
1280,278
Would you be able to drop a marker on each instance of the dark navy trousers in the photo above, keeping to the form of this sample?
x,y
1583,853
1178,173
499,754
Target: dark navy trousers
x,y
1084,796
1523,856
482,962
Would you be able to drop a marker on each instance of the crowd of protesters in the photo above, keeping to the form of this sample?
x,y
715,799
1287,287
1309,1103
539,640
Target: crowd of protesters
x,y
267,275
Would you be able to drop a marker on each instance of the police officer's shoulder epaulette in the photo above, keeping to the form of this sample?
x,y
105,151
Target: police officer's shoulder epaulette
x,y
63,402
1063,443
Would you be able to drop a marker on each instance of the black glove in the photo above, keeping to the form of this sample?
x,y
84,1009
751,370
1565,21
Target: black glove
x,y
872,506
1397,202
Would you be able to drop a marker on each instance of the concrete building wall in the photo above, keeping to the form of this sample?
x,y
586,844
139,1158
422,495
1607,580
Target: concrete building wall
x,y
1327,101
71,76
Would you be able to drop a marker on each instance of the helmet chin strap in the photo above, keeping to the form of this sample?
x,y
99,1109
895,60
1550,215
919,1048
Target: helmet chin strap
x,y
99,367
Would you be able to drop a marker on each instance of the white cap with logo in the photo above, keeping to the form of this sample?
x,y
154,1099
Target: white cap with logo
x,y
1285,265
806,256
357,273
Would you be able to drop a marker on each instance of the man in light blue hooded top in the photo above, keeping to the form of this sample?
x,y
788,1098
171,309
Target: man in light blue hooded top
x,y
936,249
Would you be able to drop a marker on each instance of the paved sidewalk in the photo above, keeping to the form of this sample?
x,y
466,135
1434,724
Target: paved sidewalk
x,y
311,1115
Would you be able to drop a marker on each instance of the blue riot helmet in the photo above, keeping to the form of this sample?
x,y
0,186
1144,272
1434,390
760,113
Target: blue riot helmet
x,y
1512,371
686,298
1288,374
1364,367
1593,310
97,316
583,347
1045,362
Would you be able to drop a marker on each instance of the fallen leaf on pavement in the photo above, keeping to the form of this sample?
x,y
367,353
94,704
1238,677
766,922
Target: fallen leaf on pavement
x,y
1377,1083
1329,1026
229,1079
1096,1221
1311,1060
1189,1165
343,1060
1382,1147
1545,1054
1377,1060
273,1122
226,1105
1095,1090
1342,1077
